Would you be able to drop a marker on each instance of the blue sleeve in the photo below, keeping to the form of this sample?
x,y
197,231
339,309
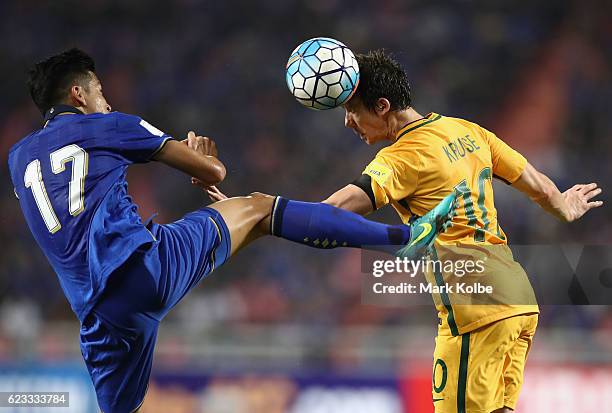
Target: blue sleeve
x,y
138,140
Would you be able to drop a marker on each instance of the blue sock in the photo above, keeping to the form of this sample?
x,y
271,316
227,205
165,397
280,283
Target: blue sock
x,y
324,226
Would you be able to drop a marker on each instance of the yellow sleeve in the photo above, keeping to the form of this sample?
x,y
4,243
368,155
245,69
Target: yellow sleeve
x,y
394,176
508,164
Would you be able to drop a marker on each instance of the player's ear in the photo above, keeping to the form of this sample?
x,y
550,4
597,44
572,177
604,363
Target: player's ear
x,y
77,97
382,106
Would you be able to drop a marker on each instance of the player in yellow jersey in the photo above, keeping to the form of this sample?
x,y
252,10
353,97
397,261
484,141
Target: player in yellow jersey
x,y
481,350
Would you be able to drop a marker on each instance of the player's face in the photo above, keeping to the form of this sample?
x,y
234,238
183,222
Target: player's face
x,y
96,102
367,124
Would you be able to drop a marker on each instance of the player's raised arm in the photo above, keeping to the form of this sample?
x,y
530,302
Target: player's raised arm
x,y
196,156
567,206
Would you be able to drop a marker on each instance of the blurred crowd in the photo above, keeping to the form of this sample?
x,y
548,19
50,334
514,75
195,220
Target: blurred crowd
x,y
539,76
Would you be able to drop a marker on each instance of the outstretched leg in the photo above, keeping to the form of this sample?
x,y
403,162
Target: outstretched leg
x,y
316,224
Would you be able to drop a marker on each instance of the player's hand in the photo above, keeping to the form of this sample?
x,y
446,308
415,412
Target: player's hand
x,y
215,194
205,146
201,144
578,200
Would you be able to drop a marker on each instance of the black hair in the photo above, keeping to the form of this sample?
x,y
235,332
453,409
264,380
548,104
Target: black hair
x,y
381,76
50,80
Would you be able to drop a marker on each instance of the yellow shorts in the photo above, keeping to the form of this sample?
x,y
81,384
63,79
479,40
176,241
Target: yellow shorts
x,y
482,370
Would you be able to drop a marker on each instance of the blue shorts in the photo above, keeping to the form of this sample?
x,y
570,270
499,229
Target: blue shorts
x,y
118,336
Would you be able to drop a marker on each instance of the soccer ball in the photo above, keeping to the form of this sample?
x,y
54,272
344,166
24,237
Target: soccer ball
x,y
322,73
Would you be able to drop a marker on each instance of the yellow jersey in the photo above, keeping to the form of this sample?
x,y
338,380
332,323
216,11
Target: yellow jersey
x,y
432,157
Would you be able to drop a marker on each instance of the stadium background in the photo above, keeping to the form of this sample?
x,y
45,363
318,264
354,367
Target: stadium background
x,y
280,328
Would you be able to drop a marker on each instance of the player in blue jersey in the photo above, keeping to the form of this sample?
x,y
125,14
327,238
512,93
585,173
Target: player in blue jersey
x,y
121,276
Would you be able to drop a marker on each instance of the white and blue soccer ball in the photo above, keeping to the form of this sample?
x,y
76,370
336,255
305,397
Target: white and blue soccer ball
x,y
322,73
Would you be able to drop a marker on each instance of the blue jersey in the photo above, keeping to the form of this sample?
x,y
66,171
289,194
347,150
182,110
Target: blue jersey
x,y
70,178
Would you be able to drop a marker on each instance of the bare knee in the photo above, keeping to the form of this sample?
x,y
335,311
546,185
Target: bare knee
x,y
262,202
503,410
261,195
262,205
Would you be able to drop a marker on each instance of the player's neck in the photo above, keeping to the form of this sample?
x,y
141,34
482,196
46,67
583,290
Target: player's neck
x,y
84,109
400,119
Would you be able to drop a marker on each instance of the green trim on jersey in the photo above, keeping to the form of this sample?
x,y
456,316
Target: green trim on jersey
x,y
435,118
445,298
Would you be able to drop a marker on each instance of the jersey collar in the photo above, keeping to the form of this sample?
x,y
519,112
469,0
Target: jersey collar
x,y
430,117
60,110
